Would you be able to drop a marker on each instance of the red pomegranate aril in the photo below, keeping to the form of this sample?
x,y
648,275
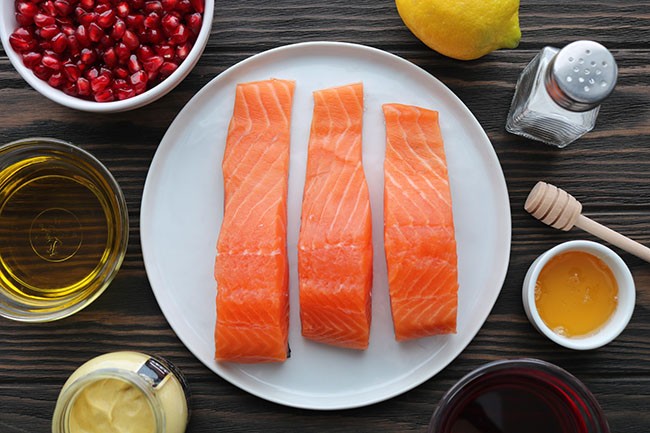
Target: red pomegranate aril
x,y
167,69
119,83
68,29
56,80
130,40
73,46
91,73
32,59
104,96
28,9
42,20
153,6
63,7
135,22
180,35
87,4
70,88
48,8
182,51
95,33
194,22
154,36
82,36
48,32
122,9
118,29
106,42
144,52
83,87
169,5
152,64
88,56
125,93
110,58
42,72
51,61
121,72
152,21
59,43
134,64
88,18
184,7
123,52
136,4
139,81
198,5
106,19
99,83
169,23
166,51
23,20
71,71
101,8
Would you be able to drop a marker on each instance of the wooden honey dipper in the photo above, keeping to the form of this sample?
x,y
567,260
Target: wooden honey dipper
x,y
559,209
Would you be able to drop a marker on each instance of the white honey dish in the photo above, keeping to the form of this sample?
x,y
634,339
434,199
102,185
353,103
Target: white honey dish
x,y
8,25
618,320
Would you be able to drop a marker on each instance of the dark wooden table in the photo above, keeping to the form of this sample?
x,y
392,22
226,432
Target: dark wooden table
x,y
608,170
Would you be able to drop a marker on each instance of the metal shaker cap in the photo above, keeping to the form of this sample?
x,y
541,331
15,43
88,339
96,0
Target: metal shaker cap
x,y
581,75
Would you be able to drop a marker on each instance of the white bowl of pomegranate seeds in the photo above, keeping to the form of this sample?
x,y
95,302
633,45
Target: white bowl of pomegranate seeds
x,y
104,55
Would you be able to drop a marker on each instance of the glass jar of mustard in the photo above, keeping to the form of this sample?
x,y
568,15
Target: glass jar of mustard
x,y
123,392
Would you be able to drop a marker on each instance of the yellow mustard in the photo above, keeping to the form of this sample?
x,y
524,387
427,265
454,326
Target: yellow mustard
x,y
123,392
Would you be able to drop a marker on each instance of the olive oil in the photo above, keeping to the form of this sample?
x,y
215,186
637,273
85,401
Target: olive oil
x,y
62,234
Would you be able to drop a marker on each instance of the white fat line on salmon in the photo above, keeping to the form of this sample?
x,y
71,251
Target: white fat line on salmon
x,y
250,253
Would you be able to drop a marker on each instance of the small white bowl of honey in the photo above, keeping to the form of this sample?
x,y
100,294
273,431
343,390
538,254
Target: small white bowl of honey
x,y
580,294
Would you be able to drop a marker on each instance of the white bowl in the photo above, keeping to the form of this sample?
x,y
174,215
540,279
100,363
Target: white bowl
x,y
618,320
8,24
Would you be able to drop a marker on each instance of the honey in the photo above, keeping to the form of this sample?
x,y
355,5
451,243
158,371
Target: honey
x,y
576,293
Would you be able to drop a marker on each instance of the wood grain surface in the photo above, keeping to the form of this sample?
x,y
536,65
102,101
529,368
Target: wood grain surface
x,y
608,170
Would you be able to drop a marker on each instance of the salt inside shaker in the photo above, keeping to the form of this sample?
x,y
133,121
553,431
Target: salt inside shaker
x,y
558,95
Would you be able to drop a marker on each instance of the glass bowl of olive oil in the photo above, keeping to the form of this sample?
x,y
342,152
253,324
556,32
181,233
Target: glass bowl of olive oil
x,y
63,229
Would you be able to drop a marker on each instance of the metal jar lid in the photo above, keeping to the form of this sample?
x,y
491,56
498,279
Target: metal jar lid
x,y
581,75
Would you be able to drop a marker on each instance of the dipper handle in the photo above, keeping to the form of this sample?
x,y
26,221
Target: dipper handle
x,y
559,209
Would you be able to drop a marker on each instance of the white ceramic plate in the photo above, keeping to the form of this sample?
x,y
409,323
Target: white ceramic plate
x,y
182,208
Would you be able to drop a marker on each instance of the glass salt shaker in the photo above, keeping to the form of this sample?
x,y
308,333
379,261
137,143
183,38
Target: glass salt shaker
x,y
559,93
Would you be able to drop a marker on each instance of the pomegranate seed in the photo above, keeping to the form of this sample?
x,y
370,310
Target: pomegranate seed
x,y
167,69
73,46
122,9
194,22
120,72
83,87
27,9
104,96
71,71
59,43
32,59
87,18
153,76
120,83
82,36
91,74
48,32
152,21
23,20
87,4
42,20
154,36
152,64
180,35
70,88
139,81
110,58
95,32
42,72
130,40
63,7
106,41
133,64
49,9
122,52
106,19
184,7
118,29
136,4
45,45
67,29
79,11
169,5
198,5
101,8
182,51
144,52
51,61
166,51
56,80
169,23
88,56
23,33
125,93
153,6
99,83
135,22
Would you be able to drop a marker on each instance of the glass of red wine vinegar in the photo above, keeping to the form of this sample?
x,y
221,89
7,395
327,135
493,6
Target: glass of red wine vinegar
x,y
519,396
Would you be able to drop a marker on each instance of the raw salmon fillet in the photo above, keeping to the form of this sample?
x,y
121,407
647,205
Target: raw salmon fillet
x,y
251,266
335,242
418,225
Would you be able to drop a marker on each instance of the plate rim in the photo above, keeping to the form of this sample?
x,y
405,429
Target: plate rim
x,y
154,168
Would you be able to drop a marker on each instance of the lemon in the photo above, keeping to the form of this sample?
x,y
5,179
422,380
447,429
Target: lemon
x,y
463,29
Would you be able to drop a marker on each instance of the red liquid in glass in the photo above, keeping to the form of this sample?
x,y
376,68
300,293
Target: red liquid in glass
x,y
510,403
